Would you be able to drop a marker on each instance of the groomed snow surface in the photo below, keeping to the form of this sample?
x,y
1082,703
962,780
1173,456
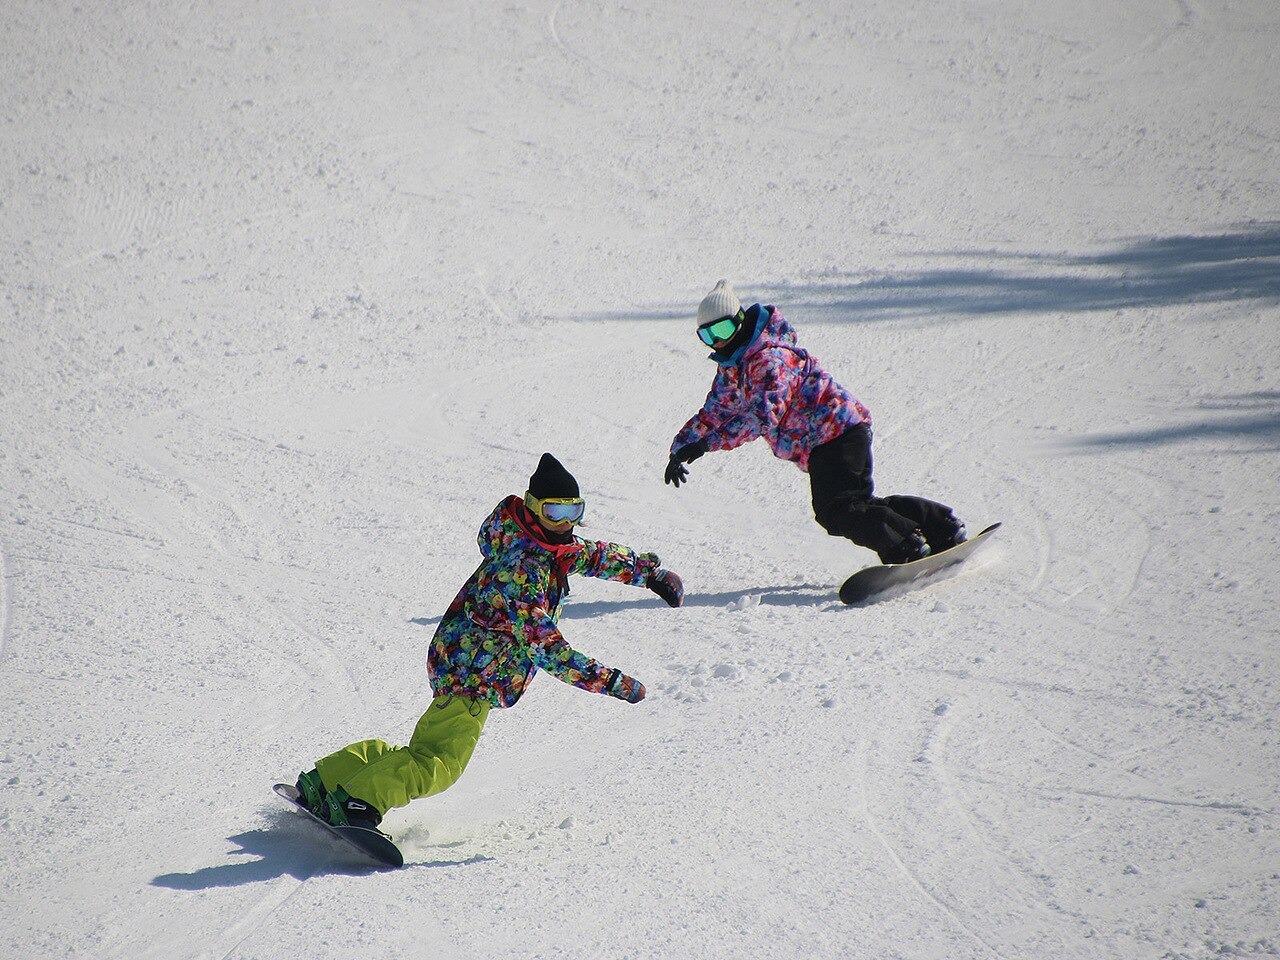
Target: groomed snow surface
x,y
295,292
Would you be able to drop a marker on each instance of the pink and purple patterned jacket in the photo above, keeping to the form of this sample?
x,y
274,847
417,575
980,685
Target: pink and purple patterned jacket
x,y
772,388
501,627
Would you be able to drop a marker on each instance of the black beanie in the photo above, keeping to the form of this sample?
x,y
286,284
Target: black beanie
x,y
551,479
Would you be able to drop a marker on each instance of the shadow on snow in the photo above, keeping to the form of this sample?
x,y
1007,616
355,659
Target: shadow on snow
x,y
278,851
1242,264
805,595
1253,417
290,847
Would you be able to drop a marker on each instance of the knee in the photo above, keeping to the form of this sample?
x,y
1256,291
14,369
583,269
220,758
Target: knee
x,y
844,516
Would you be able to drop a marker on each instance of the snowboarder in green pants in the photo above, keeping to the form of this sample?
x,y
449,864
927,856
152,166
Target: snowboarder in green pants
x,y
497,633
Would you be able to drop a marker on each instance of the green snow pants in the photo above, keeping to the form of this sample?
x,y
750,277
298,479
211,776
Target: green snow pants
x,y
438,752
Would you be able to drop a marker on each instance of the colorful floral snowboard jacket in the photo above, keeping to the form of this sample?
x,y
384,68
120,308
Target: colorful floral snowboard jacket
x,y
501,627
772,388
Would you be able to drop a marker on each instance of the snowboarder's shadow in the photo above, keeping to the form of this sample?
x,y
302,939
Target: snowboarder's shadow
x,y
266,855
285,849
802,595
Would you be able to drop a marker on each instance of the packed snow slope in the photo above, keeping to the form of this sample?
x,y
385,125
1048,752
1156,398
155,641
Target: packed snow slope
x,y
295,292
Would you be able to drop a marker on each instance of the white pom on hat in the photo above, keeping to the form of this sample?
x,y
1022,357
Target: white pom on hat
x,y
720,302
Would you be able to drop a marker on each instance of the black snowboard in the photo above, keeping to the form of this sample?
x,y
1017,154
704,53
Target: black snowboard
x,y
369,842
867,583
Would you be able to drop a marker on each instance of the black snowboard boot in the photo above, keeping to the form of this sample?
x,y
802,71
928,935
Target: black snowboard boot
x,y
953,535
911,547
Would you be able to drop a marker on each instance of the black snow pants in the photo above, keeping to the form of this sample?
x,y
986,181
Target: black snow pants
x,y
843,500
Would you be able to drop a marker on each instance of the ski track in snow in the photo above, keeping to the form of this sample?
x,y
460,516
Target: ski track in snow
x,y
1019,878
910,873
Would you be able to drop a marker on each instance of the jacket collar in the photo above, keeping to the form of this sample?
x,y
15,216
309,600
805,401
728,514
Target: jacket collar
x,y
535,532
757,318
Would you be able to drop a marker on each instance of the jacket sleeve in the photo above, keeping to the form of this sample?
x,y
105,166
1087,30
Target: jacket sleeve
x,y
723,420
612,561
552,653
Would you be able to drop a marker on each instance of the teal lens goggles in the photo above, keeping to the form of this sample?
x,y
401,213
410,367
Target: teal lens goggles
x,y
720,330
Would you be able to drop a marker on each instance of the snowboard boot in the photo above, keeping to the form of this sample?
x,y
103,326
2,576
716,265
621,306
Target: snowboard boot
x,y
911,547
952,536
312,793
344,810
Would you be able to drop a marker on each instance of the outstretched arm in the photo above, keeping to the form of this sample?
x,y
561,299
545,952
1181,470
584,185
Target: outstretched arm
x,y
611,561
726,420
722,406
552,653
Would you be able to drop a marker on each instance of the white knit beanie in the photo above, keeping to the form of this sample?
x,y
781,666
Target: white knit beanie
x,y
720,302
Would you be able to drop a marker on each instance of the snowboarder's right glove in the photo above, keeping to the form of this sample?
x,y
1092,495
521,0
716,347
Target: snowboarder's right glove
x,y
667,585
676,472
624,688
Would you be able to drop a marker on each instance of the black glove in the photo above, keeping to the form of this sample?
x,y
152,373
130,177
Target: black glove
x,y
624,688
667,585
676,473
691,451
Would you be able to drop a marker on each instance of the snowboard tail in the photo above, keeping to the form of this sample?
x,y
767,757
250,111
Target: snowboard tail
x,y
371,843
873,580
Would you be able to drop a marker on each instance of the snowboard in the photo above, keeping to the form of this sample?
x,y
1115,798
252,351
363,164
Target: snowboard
x,y
371,843
873,580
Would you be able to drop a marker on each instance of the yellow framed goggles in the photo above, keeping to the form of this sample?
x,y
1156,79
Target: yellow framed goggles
x,y
556,509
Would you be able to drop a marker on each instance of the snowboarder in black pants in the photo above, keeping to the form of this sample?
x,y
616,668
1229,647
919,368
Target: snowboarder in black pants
x,y
766,385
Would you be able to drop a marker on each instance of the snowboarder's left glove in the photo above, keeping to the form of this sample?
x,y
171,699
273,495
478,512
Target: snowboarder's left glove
x,y
624,688
667,585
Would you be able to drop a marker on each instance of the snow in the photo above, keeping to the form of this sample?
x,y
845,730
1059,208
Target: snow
x,y
295,292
